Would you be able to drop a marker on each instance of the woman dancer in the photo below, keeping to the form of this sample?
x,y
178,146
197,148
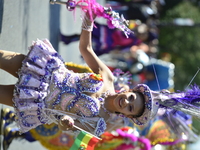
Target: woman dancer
x,y
48,92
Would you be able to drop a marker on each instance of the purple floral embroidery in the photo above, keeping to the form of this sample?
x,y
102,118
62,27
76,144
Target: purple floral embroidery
x,y
27,78
101,127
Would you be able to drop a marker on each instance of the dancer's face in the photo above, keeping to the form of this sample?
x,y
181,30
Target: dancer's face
x,y
129,104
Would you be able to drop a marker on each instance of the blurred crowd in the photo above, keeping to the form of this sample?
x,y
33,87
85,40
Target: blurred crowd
x,y
141,58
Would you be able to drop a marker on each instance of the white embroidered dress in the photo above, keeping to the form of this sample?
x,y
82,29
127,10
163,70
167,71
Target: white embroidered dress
x,y
47,89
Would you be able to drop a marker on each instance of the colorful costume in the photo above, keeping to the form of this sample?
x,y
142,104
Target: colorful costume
x,y
47,90
50,136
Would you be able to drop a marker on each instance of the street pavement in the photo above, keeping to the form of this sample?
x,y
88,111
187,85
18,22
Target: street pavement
x,y
22,22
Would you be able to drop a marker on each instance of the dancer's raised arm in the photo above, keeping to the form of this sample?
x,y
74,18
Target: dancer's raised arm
x,y
87,52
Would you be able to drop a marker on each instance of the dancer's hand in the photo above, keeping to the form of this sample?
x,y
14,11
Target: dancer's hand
x,y
88,21
66,123
91,16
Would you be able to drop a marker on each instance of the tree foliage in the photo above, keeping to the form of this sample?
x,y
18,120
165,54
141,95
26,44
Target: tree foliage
x,y
182,42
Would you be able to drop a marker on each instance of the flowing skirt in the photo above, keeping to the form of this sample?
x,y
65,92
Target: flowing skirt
x,y
33,85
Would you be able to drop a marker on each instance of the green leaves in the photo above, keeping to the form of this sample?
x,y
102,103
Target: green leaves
x,y
182,42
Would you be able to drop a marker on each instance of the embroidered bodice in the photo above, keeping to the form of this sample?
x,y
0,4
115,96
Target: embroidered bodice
x,y
68,95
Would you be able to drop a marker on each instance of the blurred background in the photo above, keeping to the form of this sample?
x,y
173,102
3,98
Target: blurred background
x,y
163,53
